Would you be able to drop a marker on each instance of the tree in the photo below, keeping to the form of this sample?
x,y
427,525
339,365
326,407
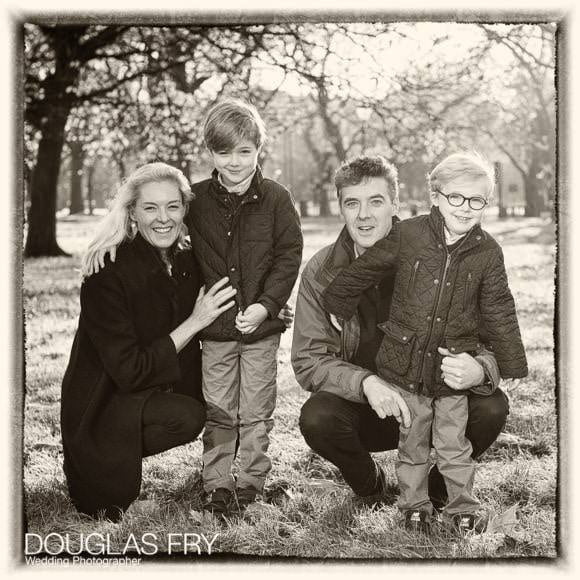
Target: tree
x,y
526,104
75,65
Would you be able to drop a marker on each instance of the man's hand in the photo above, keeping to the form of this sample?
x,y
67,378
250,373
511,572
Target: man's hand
x,y
386,401
460,371
248,320
286,315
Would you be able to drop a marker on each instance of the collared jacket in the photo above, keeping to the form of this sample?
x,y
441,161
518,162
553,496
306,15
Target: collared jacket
x,y
257,243
121,354
322,353
457,300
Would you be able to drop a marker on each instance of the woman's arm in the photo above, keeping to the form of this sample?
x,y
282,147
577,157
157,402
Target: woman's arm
x,y
107,318
206,309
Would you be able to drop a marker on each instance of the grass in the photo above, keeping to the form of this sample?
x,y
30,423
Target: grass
x,y
310,511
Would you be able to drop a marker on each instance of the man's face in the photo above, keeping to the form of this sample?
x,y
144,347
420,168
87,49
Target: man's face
x,y
368,211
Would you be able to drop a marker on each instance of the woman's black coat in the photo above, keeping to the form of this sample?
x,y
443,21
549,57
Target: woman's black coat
x,y
121,354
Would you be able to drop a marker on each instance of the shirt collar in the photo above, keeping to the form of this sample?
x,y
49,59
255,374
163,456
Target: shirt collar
x,y
239,188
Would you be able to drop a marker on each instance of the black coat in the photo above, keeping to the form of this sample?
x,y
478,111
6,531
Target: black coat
x,y
456,300
257,243
121,354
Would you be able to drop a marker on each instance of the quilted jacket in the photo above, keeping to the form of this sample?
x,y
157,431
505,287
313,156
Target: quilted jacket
x,y
455,300
257,244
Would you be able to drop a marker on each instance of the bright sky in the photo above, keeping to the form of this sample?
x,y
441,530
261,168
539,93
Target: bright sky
x,y
392,56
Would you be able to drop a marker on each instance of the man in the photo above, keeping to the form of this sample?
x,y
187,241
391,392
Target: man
x,y
352,411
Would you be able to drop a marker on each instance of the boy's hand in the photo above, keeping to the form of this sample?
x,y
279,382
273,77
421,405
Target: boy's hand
x,y
286,315
251,318
385,401
98,261
460,371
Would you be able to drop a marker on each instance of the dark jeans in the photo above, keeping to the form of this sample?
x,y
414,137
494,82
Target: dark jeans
x,y
344,433
169,420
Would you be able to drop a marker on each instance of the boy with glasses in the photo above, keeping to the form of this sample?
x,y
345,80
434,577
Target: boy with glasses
x,y
450,281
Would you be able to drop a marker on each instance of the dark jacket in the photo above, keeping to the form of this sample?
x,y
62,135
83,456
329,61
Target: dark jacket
x,y
455,300
257,243
121,354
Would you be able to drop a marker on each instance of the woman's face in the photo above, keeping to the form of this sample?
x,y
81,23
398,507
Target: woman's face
x,y
159,213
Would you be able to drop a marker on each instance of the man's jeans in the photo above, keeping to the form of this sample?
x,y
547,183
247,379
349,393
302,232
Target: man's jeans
x,y
239,387
344,433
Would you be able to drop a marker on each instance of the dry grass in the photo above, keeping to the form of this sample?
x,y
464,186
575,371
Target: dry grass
x,y
303,517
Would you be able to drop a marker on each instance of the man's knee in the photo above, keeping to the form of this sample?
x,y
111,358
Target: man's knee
x,y
319,418
487,417
491,410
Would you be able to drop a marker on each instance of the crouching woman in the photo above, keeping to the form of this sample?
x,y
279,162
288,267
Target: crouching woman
x,y
132,387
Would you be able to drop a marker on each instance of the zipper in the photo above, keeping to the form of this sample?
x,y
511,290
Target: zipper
x,y
240,298
411,285
438,301
467,291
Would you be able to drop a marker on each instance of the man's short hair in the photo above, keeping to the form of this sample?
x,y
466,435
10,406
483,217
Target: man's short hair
x,y
231,121
359,169
463,164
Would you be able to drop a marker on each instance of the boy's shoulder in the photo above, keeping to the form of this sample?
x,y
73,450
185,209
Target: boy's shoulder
x,y
273,188
488,239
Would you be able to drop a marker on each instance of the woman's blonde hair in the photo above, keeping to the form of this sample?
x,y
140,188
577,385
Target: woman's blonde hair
x,y
116,226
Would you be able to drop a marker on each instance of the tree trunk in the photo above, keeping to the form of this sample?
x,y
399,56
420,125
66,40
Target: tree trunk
x,y
90,176
534,202
303,208
41,238
77,203
323,202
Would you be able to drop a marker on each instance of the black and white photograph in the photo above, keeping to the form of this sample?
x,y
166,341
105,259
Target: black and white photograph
x,y
289,289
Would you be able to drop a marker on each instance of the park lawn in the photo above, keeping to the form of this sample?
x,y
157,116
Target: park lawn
x,y
310,512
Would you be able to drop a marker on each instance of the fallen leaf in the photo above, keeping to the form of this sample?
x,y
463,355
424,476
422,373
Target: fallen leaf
x,y
196,517
504,523
323,486
143,507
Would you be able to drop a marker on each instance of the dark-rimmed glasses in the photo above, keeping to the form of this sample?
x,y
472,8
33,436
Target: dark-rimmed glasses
x,y
457,200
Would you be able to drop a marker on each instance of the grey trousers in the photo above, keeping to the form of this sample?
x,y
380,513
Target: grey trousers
x,y
239,387
443,421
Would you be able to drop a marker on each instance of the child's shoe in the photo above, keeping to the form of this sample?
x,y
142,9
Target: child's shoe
x,y
418,521
218,501
245,496
469,523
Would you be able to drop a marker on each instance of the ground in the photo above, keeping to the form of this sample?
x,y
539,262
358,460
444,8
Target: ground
x,y
310,512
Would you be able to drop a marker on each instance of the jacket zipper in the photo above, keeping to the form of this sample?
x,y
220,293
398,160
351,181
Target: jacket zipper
x,y
438,301
233,224
467,291
411,285
434,312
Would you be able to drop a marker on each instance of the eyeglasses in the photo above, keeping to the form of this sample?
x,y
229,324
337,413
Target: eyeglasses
x,y
457,200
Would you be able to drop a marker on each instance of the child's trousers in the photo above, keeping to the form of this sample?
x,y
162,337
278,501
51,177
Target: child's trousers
x,y
239,387
441,421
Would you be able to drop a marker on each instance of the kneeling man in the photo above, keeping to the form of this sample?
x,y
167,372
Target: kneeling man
x,y
352,412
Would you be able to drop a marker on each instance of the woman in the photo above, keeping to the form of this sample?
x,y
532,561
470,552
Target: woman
x,y
133,383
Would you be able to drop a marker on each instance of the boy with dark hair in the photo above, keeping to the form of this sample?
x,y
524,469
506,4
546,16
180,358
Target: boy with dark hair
x,y
243,226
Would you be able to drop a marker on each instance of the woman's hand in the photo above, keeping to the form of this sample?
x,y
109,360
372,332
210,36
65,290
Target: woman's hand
x,y
286,315
460,371
208,306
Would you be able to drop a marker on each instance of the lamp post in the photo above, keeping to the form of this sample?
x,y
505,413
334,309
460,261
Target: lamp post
x,y
364,114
